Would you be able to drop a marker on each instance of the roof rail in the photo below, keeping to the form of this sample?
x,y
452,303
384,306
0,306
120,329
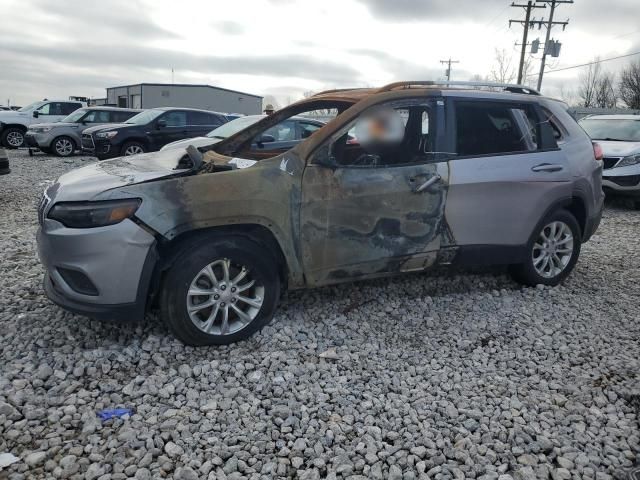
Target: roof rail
x,y
509,87
335,90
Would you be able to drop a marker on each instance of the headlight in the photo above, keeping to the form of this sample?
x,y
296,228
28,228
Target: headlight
x,y
40,129
110,134
628,161
94,214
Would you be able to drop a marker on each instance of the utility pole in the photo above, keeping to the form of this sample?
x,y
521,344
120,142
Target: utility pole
x,y
529,6
550,24
448,63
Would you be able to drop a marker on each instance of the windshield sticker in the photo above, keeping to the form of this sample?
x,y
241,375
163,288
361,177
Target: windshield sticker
x,y
242,162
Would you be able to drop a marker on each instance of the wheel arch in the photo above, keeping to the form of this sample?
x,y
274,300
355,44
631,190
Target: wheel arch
x,y
575,205
19,126
170,250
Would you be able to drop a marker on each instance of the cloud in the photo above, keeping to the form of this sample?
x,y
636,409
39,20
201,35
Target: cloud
x,y
420,10
229,27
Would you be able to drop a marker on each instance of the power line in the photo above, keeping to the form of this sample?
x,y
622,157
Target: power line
x,y
590,63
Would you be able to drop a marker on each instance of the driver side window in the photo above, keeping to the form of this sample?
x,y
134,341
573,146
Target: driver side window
x,y
385,136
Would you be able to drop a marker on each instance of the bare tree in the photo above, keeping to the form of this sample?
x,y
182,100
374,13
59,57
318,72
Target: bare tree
x,y
629,86
502,70
528,78
606,96
568,95
589,84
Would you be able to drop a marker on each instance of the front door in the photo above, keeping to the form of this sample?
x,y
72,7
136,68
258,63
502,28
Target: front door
x,y
373,203
170,127
506,172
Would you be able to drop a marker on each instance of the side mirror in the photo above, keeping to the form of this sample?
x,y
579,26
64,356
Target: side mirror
x,y
36,114
267,139
323,158
161,124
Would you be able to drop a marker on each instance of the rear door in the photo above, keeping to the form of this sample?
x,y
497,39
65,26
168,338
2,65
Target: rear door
x,y
201,123
506,171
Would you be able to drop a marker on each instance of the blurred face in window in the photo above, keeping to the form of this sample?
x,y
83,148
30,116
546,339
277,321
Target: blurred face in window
x,y
380,129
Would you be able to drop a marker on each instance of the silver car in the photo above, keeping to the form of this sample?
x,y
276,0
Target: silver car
x,y
64,138
619,139
431,174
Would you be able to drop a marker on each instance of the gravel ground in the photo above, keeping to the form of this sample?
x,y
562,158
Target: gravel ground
x,y
441,376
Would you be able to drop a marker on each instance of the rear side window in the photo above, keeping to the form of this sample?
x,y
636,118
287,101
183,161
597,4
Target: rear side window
x,y
67,108
201,118
495,128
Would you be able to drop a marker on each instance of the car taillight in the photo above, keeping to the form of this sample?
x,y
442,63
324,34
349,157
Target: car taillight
x,y
597,151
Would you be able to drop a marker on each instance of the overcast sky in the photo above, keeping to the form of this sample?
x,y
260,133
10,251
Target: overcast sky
x,y
284,47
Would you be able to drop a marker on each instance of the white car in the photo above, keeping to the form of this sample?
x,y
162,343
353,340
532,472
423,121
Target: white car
x,y
619,138
15,123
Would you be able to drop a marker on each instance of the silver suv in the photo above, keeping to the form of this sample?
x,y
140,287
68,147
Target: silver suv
x,y
63,138
405,177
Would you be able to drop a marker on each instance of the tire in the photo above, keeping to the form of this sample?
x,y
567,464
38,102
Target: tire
x,y
63,146
134,148
12,137
566,246
190,273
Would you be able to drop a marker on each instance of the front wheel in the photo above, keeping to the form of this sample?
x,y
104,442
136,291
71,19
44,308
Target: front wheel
x,y
132,148
219,291
552,252
63,146
12,138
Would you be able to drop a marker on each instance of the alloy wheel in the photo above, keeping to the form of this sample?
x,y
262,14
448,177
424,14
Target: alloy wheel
x,y
224,297
15,139
553,249
133,150
64,147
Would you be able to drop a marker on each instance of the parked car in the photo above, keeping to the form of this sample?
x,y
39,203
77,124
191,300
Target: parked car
x,y
4,163
14,124
284,135
619,138
63,138
214,235
149,131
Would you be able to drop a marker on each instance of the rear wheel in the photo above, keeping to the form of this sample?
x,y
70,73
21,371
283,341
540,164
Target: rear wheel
x,y
63,146
220,291
12,137
132,148
552,252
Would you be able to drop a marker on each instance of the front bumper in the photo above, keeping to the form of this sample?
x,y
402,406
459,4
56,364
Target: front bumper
x,y
102,272
100,147
37,140
622,180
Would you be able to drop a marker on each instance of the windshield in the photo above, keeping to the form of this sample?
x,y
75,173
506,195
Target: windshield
x,y
622,129
145,117
31,106
234,126
75,116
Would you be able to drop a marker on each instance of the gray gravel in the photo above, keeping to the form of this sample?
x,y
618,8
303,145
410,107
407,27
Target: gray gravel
x,y
441,376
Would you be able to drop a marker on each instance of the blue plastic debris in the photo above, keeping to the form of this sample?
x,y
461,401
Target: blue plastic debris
x,y
114,413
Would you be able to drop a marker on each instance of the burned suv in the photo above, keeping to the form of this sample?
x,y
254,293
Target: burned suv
x,y
405,177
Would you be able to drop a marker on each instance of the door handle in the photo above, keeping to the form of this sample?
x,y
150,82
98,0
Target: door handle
x,y
426,184
547,167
